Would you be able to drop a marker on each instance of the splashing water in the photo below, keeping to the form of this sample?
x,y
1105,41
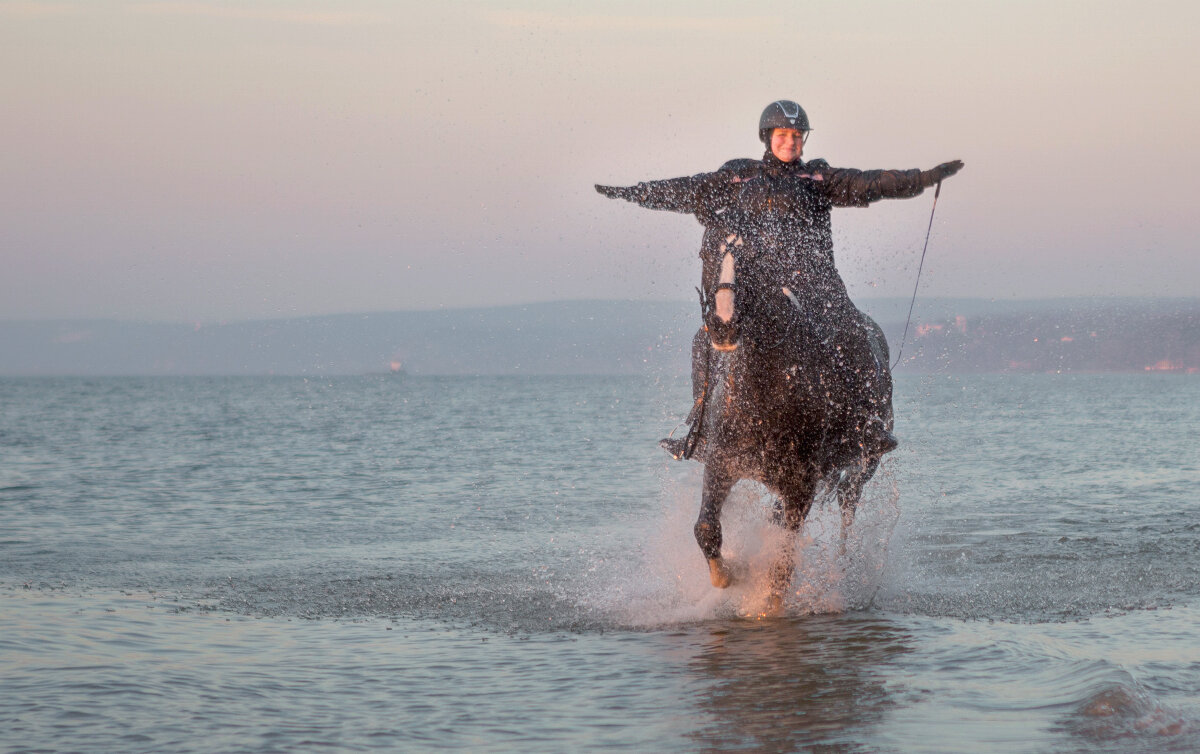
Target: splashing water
x,y
667,581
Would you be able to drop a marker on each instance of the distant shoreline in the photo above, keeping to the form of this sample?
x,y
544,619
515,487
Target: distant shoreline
x,y
602,337
881,308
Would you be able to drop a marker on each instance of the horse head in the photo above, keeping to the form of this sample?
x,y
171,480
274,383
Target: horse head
x,y
789,381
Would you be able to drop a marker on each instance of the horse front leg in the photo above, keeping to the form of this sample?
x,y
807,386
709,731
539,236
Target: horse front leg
x,y
717,484
849,492
796,501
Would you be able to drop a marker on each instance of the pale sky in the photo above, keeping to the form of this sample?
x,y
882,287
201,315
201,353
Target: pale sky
x,y
209,161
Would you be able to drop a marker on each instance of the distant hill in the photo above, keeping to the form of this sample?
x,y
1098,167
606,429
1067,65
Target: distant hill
x,y
603,337
1114,335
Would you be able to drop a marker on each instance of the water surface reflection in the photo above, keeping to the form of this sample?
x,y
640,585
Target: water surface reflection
x,y
795,684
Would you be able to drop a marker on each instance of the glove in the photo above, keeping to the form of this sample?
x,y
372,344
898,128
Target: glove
x,y
948,169
941,172
628,193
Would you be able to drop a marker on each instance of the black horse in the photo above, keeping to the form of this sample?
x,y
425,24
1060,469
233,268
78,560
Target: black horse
x,y
803,402
789,408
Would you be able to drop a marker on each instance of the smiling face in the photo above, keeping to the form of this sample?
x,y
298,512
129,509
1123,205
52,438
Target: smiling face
x,y
787,144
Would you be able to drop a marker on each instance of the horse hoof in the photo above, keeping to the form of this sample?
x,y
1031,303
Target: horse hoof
x,y
719,574
774,606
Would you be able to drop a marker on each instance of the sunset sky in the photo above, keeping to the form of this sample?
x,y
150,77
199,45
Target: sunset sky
x,y
207,161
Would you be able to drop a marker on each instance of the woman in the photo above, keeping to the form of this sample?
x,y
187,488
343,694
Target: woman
x,y
778,208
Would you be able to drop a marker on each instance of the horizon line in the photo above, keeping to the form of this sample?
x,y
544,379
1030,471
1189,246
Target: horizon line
x,y
553,302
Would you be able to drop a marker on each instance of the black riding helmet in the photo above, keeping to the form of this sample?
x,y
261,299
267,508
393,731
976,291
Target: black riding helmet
x,y
782,114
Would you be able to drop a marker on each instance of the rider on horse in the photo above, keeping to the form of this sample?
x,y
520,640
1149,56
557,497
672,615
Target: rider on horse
x,y
778,209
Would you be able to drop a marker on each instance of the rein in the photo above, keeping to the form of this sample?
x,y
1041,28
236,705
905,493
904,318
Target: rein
x,y
918,282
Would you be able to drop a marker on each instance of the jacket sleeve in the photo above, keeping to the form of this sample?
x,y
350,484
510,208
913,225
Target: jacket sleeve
x,y
847,187
705,195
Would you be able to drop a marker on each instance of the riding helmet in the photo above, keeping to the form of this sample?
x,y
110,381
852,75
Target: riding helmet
x,y
781,114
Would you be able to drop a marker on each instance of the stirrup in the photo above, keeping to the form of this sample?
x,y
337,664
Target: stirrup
x,y
683,448
676,446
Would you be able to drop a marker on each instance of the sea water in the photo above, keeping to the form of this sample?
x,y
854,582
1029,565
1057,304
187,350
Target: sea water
x,y
507,564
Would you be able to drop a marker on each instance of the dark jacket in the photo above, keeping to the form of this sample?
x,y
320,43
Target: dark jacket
x,y
783,211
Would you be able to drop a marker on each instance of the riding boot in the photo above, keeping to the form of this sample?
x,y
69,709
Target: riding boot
x,y
876,437
682,448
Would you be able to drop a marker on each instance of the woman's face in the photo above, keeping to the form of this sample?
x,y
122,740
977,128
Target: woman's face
x,y
787,144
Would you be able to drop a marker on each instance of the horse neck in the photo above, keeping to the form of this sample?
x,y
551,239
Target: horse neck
x,y
766,309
